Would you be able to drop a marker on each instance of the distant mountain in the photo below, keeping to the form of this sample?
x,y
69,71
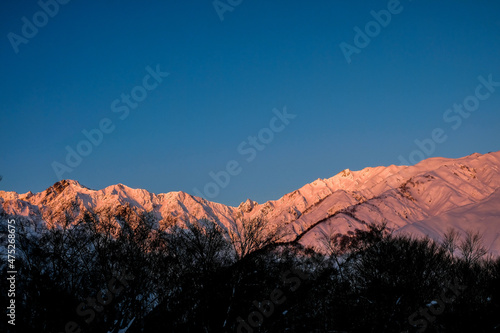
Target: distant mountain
x,y
425,199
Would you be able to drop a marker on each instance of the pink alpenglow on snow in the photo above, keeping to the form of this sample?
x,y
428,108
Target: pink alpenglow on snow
x,y
424,199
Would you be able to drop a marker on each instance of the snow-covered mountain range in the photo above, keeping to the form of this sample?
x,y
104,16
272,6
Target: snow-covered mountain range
x,y
425,199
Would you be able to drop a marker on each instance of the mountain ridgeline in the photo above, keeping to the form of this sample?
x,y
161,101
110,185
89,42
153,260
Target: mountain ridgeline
x,y
425,199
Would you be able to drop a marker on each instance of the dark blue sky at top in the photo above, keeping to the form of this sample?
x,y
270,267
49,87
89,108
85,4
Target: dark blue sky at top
x,y
226,77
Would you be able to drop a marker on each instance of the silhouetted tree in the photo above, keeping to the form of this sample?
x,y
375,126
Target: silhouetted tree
x,y
254,234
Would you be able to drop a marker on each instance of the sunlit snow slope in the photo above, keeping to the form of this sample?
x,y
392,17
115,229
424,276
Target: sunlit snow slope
x,y
425,199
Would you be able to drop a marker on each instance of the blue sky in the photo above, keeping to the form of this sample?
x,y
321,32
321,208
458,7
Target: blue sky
x,y
226,78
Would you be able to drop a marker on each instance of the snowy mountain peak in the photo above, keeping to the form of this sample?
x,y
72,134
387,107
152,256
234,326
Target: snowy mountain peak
x,y
247,205
345,173
67,182
421,196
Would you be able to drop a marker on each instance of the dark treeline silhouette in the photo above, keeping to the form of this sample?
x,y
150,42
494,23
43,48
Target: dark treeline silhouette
x,y
107,273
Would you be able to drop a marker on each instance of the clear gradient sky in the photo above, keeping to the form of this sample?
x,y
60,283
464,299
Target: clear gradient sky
x,y
226,77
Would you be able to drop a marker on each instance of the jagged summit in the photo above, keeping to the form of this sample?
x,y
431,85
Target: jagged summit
x,y
62,184
247,205
422,198
345,173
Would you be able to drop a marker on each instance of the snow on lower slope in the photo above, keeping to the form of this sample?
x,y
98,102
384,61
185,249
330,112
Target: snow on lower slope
x,y
482,216
415,193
